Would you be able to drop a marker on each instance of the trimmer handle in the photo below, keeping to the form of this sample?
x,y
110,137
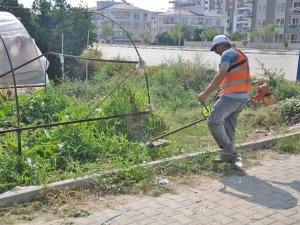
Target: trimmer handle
x,y
205,111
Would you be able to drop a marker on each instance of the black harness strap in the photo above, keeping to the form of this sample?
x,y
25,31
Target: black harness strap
x,y
239,63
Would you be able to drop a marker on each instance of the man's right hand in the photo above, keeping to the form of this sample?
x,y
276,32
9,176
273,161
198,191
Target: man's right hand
x,y
216,96
202,97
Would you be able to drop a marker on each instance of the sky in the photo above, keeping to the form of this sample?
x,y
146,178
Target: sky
x,y
150,5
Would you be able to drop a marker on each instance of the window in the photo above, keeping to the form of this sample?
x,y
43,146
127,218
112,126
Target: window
x,y
280,23
262,9
136,26
296,4
295,21
278,38
136,16
200,21
294,38
281,7
208,22
261,23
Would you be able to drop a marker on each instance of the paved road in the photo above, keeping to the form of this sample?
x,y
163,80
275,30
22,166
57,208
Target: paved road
x,y
287,61
265,194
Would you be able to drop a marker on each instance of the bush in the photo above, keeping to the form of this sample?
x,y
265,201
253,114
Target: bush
x,y
283,88
290,110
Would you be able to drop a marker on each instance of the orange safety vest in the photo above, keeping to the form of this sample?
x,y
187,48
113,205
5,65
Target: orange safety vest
x,y
238,77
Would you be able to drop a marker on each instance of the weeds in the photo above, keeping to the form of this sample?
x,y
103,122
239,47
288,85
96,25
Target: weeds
x,y
289,145
70,151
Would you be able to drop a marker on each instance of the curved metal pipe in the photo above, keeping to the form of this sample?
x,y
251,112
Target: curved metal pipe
x,y
16,96
100,14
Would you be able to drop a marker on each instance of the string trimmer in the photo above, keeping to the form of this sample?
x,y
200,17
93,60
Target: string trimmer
x,y
160,142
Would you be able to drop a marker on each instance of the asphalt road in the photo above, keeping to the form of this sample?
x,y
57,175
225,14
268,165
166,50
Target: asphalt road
x,y
280,61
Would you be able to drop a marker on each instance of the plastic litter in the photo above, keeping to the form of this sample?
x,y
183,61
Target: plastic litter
x,y
163,181
239,162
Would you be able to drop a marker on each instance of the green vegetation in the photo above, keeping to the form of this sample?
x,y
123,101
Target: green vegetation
x,y
62,152
209,34
47,20
289,145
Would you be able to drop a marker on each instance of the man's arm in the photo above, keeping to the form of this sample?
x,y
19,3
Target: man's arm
x,y
213,85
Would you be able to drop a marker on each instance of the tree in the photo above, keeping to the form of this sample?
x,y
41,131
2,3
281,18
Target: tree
x,y
166,39
53,18
238,36
209,34
176,32
127,33
107,30
197,34
286,40
18,10
270,30
145,36
187,33
254,34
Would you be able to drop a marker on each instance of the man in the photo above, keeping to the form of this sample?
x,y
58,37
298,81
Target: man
x,y
233,80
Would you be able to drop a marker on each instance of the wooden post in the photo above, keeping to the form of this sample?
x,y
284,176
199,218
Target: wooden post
x,y
62,58
86,61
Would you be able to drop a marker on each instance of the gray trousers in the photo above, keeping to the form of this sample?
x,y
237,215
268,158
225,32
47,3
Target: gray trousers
x,y
222,123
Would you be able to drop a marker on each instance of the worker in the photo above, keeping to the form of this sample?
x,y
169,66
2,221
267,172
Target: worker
x,y
233,82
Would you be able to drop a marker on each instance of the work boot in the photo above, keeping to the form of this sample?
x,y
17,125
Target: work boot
x,y
227,158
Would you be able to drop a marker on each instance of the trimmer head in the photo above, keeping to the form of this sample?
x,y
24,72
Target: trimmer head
x,y
157,143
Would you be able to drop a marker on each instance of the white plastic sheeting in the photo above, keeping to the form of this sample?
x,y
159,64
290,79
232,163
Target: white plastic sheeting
x,y
21,48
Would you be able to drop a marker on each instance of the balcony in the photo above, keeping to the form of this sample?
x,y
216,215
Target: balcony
x,y
294,27
247,14
248,2
279,26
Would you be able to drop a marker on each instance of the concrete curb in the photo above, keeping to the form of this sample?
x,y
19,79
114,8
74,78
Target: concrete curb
x,y
27,194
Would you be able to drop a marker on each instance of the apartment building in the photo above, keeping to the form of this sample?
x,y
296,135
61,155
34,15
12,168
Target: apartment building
x,y
292,25
136,20
192,16
247,15
217,6
133,19
277,12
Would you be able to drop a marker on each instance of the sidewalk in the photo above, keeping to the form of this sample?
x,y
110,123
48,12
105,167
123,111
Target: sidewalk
x,y
265,194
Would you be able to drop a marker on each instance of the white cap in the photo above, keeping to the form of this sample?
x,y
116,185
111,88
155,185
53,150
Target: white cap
x,y
219,39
